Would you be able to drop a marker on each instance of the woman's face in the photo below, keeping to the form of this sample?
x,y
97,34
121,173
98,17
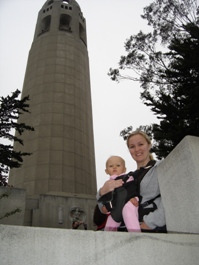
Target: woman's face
x,y
139,149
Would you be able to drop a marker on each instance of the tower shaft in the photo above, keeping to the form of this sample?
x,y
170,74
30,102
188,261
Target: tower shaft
x,y
57,81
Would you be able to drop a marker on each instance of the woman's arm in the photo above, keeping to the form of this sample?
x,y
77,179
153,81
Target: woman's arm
x,y
156,218
149,189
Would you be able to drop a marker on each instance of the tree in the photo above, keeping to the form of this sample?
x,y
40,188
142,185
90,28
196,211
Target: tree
x,y
169,78
10,110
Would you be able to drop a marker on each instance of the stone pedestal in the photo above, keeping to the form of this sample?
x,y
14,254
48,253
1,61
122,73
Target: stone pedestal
x,y
178,176
35,245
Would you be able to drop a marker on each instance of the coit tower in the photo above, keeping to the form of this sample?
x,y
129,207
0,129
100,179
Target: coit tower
x,y
58,83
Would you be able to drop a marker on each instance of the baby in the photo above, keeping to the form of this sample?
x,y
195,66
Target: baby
x,y
115,167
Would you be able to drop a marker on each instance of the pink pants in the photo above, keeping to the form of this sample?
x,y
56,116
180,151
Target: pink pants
x,y
130,217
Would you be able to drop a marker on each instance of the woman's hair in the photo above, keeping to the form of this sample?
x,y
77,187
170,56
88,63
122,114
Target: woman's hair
x,y
146,137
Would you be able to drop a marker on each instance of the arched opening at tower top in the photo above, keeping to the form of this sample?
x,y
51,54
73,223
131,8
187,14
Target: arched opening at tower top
x,y
50,2
45,25
65,22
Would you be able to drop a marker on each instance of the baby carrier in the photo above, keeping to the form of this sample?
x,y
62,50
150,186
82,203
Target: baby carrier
x,y
114,201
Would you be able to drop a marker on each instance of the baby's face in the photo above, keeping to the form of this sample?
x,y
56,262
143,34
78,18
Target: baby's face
x,y
115,166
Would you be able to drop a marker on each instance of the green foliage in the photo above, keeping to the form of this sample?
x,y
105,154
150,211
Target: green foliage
x,y
127,131
10,110
124,133
165,62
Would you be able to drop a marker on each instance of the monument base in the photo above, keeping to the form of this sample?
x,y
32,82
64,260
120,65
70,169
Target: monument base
x,y
35,245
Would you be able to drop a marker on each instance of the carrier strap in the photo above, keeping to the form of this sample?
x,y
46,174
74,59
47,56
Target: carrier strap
x,y
143,205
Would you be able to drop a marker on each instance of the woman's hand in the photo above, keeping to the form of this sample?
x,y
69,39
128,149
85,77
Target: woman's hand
x,y
110,185
143,225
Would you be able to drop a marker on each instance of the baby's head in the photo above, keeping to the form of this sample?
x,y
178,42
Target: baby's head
x,y
115,165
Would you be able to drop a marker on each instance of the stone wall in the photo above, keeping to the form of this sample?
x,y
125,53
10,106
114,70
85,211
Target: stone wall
x,y
178,177
48,210
49,246
12,199
54,211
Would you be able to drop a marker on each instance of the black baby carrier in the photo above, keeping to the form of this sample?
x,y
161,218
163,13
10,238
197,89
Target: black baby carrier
x,y
114,201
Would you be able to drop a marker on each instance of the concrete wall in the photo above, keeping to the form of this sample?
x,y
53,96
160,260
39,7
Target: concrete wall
x,y
48,213
178,177
14,199
45,211
49,246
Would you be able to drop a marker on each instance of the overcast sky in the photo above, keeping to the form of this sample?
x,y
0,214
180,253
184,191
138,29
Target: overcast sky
x,y
109,24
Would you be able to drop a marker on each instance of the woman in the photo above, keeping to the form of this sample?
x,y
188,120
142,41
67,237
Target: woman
x,y
152,217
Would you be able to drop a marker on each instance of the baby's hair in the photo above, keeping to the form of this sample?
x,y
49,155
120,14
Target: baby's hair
x,y
123,161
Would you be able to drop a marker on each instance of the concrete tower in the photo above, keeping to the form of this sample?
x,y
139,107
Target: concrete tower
x,y
58,83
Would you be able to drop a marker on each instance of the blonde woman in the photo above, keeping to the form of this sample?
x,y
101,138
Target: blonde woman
x,y
151,211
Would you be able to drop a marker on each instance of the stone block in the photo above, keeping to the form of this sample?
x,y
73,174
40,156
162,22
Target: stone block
x,y
34,245
178,176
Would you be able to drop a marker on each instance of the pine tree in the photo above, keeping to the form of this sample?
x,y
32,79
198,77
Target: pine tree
x,y
10,110
169,78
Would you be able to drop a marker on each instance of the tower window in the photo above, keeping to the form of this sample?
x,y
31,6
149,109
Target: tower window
x,y
65,22
50,2
82,33
45,25
65,4
81,16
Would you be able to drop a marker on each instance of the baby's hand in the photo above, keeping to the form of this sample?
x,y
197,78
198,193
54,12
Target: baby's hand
x,y
134,201
104,210
110,185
